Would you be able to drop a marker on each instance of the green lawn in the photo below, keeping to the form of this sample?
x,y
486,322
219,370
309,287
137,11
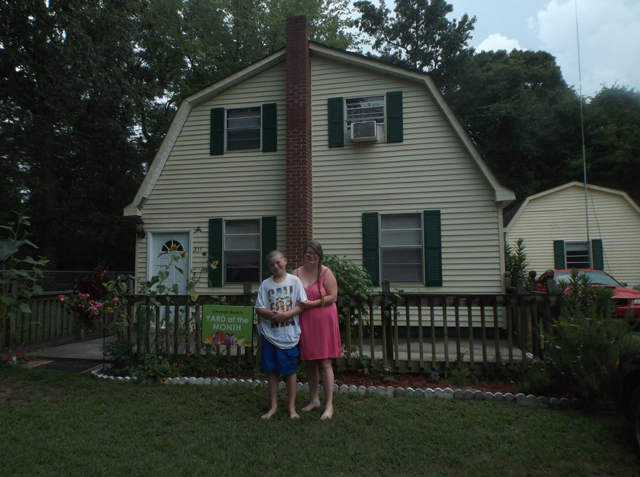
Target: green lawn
x,y
54,423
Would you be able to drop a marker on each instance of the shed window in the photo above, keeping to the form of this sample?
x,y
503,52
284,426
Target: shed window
x,y
577,255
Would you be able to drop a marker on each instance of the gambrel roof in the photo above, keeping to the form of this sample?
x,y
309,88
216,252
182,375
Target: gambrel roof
x,y
580,185
501,194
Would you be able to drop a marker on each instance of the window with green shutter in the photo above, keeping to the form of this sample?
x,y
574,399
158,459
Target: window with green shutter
x,y
578,254
244,129
240,248
371,246
395,124
432,248
364,116
335,108
403,248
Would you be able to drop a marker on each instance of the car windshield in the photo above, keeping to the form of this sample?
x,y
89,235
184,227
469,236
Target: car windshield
x,y
595,278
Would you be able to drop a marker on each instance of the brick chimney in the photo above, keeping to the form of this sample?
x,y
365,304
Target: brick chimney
x,y
299,217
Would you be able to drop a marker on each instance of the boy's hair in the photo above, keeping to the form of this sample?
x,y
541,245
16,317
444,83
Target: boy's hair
x,y
273,254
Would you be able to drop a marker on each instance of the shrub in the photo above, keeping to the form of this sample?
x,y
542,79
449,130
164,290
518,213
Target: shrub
x,y
515,258
583,345
353,282
120,353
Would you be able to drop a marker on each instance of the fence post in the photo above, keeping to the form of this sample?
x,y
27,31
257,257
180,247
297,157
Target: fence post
x,y
13,322
246,295
507,280
533,285
386,317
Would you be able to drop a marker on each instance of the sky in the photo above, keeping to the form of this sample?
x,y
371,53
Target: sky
x,y
609,33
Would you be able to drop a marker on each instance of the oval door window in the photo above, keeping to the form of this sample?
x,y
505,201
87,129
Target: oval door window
x,y
172,246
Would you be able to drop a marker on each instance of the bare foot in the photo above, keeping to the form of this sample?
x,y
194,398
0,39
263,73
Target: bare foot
x,y
327,414
294,415
311,405
271,412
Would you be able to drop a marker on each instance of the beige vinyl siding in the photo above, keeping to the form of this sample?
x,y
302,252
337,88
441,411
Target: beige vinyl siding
x,y
195,187
561,216
430,170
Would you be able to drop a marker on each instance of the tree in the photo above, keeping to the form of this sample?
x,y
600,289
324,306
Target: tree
x,y
419,36
612,137
521,115
89,88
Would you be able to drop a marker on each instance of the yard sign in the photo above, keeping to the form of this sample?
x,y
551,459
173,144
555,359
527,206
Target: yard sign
x,y
227,325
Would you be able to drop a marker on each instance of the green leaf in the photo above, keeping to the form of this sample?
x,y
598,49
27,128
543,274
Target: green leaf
x,y
24,308
180,270
194,295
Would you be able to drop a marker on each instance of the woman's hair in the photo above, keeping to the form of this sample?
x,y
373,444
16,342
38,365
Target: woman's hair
x,y
315,245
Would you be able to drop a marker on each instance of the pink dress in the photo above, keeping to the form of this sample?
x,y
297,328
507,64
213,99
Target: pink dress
x,y
320,337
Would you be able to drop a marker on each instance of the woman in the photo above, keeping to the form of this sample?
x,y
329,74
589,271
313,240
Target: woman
x,y
320,338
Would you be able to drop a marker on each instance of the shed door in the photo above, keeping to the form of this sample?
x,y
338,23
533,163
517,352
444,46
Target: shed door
x,y
165,245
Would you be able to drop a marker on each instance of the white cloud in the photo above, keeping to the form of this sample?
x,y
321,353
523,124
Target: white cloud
x,y
609,39
496,41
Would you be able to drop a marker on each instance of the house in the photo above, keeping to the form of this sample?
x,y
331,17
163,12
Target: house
x,y
553,225
317,142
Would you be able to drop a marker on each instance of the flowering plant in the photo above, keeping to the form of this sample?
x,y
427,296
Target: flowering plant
x,y
85,309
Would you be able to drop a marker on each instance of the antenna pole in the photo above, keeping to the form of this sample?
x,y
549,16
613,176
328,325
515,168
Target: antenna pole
x,y
584,152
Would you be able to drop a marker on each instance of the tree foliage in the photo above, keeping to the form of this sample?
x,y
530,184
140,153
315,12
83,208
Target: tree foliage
x,y
89,88
419,35
521,115
612,136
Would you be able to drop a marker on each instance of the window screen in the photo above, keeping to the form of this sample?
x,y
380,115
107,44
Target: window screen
x,y
368,108
242,251
577,255
401,246
243,129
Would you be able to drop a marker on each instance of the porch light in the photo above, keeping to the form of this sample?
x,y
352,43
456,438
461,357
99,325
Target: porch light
x,y
140,231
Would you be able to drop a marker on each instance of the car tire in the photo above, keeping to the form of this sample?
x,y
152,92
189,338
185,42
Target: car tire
x,y
634,408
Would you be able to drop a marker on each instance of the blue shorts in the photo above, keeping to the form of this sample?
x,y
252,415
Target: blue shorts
x,y
272,358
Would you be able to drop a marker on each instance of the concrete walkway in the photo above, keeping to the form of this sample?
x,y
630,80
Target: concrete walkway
x,y
88,349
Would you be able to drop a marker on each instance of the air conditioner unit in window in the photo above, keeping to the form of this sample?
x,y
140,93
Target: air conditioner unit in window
x,y
365,131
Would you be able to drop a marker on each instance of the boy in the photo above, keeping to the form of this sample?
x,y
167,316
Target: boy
x,y
279,329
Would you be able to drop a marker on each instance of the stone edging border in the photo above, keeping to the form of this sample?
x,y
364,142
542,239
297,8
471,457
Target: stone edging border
x,y
389,391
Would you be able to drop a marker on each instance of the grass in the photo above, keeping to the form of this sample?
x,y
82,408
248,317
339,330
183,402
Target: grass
x,y
54,423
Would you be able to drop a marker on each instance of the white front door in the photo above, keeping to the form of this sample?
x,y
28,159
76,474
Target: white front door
x,y
165,245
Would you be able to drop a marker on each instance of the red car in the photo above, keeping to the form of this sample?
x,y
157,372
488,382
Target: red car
x,y
626,298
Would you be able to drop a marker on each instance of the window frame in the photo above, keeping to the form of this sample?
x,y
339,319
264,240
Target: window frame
x,y
226,129
226,250
587,247
420,248
348,121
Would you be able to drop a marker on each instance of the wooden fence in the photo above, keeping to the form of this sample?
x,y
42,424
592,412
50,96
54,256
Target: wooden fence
x,y
407,332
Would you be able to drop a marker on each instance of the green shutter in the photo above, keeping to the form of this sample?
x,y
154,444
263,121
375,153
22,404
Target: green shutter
x,y
432,249
269,127
558,254
335,107
371,246
216,144
597,256
269,242
394,117
215,251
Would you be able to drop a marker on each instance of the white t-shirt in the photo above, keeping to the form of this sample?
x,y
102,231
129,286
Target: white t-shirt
x,y
281,296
